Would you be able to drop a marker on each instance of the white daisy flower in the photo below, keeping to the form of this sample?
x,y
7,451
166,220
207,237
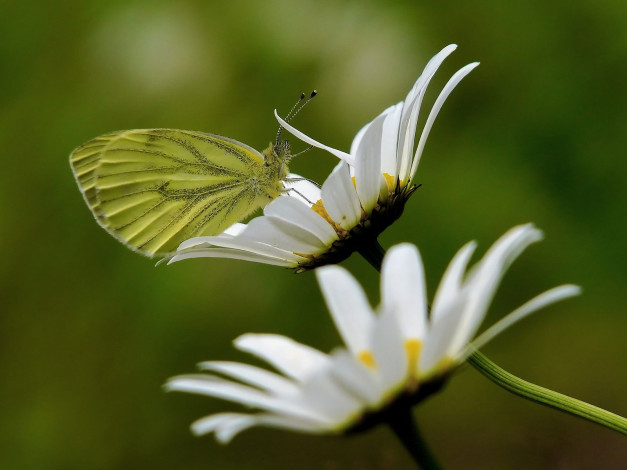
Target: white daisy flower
x,y
397,353
365,193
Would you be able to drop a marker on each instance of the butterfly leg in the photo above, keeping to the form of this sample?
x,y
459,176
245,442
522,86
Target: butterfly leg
x,y
287,190
301,178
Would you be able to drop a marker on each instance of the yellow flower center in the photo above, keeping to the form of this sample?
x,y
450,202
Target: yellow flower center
x,y
412,349
368,359
389,179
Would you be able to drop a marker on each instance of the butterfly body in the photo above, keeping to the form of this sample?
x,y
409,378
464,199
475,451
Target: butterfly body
x,y
154,188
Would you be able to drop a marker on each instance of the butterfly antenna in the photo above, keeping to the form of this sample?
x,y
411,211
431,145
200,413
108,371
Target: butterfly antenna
x,y
293,113
287,118
311,96
302,151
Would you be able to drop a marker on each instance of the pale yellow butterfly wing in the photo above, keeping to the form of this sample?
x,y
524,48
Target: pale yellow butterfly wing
x,y
154,188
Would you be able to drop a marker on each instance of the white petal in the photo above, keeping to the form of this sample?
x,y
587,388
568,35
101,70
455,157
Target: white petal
x,y
504,251
235,229
448,88
441,334
295,212
232,254
403,289
388,349
338,153
451,282
228,429
407,134
348,305
357,139
245,244
281,234
354,376
389,141
411,111
432,66
340,198
230,232
485,276
293,359
255,376
195,242
484,279
368,164
228,422
326,398
291,423
303,189
220,388
547,298
210,423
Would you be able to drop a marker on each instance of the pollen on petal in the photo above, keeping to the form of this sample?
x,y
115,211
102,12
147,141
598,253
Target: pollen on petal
x,y
389,179
412,349
368,359
319,209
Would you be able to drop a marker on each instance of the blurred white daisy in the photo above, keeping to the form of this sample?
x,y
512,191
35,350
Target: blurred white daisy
x,y
365,193
395,354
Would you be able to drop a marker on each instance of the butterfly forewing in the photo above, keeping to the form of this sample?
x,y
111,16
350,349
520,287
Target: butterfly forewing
x,y
154,188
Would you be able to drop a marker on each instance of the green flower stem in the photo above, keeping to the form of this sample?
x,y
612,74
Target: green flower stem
x,y
374,255
546,397
405,428
373,252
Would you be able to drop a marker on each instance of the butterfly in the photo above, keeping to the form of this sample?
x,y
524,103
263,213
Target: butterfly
x,y
155,188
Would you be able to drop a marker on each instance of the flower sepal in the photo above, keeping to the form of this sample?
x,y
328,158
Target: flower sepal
x,y
400,404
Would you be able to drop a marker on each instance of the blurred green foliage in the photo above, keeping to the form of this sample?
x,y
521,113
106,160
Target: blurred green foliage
x,y
89,331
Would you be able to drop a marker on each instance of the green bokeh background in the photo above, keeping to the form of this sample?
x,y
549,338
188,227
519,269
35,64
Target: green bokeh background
x,y
90,331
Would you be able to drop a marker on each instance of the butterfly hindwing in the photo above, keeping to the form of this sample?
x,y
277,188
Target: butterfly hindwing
x,y
154,188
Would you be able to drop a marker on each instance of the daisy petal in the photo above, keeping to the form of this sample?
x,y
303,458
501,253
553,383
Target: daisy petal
x,y
302,189
485,276
451,282
340,198
432,66
349,307
323,396
280,233
292,211
357,139
237,393
368,164
389,141
210,423
356,378
403,289
255,376
225,423
437,342
448,88
292,130
291,358
245,244
543,300
388,349
411,111
233,254
229,428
